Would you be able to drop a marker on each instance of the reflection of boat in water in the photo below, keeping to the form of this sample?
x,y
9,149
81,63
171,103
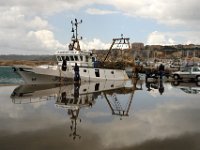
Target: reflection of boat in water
x,y
34,93
187,87
115,103
41,91
89,68
74,97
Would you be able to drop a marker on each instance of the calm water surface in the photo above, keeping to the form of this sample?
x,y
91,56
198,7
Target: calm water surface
x,y
90,116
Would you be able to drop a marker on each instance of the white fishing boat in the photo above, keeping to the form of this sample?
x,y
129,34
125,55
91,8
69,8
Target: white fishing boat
x,y
89,67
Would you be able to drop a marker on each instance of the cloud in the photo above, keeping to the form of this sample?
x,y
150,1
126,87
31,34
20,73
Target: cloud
x,y
158,38
15,18
94,11
28,32
24,28
38,23
174,12
45,7
45,39
160,122
24,34
24,24
94,44
172,38
183,142
170,119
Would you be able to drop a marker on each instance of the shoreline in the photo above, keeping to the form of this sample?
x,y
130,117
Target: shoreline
x,y
25,62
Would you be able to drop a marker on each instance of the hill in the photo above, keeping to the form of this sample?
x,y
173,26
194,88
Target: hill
x,y
31,60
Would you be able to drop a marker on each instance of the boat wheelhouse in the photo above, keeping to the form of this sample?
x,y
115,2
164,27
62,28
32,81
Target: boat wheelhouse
x,y
85,59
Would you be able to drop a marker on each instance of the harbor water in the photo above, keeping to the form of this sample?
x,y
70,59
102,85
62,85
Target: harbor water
x,y
149,115
8,76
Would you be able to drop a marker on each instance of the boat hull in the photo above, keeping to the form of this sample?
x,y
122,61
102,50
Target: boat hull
x,y
47,75
35,75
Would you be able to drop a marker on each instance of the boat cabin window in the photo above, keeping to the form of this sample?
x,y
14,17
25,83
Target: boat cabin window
x,y
97,73
96,86
67,58
59,58
72,58
86,58
63,57
81,57
76,58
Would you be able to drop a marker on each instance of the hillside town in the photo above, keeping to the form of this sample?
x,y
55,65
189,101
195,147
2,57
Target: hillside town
x,y
139,50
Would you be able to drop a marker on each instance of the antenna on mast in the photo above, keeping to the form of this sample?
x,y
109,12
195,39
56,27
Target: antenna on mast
x,y
75,39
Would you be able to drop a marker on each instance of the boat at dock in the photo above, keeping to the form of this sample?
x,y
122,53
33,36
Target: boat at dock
x,y
90,69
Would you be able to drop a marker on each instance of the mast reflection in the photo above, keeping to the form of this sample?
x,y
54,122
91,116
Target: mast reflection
x,y
73,102
114,102
74,97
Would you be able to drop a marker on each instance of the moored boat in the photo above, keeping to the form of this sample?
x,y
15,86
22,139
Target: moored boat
x,y
90,69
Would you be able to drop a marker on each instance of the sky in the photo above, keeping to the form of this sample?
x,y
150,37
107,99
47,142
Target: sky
x,y
44,26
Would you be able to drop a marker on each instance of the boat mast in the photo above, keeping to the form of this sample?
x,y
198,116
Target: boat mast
x,y
75,40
